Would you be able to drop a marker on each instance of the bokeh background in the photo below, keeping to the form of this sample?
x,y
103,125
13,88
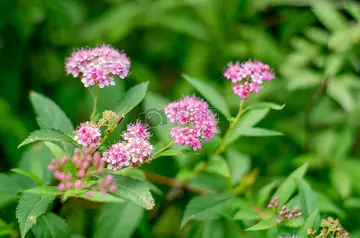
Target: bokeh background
x,y
313,46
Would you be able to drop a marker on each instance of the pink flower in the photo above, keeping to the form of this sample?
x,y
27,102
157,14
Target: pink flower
x,y
134,150
136,130
194,121
98,65
88,133
248,76
116,156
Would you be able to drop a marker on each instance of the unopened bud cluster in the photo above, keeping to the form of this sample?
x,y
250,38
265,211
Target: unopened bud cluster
x,y
84,162
330,228
108,118
284,213
104,185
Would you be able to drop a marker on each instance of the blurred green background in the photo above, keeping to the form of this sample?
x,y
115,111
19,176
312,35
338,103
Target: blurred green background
x,y
313,47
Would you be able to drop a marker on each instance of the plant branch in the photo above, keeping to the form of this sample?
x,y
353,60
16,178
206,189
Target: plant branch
x,y
156,155
156,178
108,133
233,122
96,98
314,101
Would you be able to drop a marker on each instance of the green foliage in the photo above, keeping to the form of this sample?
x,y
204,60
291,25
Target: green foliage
x,y
49,115
47,135
132,98
206,207
51,225
114,220
210,94
29,210
134,190
288,187
28,174
313,47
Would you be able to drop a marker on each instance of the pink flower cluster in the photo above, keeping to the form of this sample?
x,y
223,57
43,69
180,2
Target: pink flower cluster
x,y
84,162
98,65
285,213
88,133
248,76
134,150
194,121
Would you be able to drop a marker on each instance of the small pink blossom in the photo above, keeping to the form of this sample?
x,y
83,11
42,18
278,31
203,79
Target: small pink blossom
x,y
248,76
98,65
88,133
137,130
194,121
134,150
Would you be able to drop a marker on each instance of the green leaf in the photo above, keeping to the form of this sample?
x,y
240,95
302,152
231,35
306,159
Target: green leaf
x,y
246,214
218,165
213,229
263,225
308,199
256,131
170,152
246,121
210,93
118,220
8,185
341,180
28,174
35,160
206,207
154,115
341,93
56,150
132,98
310,223
239,164
329,16
49,115
352,203
5,229
44,191
265,192
97,196
29,208
288,187
265,105
134,190
51,225
47,135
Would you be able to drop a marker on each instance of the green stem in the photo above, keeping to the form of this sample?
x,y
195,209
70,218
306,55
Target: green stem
x,y
156,155
231,126
96,97
108,133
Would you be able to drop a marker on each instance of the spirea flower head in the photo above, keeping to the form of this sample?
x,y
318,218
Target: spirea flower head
x,y
194,121
98,65
88,133
134,150
248,76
